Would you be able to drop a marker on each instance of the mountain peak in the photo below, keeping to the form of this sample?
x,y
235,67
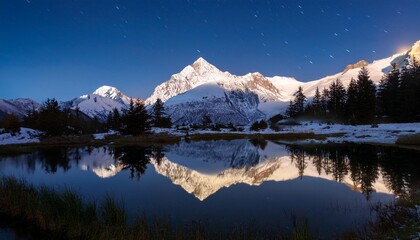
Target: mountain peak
x,y
359,64
202,66
112,93
107,91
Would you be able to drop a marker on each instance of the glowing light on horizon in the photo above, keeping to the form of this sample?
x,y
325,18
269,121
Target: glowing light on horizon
x,y
403,48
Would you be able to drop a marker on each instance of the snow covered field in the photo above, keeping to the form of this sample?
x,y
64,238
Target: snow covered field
x,y
382,134
26,135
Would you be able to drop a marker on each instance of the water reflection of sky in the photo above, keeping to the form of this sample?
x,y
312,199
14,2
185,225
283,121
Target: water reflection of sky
x,y
220,183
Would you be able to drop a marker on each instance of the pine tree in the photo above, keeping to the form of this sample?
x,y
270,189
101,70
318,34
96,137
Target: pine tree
x,y
159,117
116,119
51,118
291,111
351,103
336,100
388,93
299,102
324,101
409,88
366,97
316,103
31,119
135,119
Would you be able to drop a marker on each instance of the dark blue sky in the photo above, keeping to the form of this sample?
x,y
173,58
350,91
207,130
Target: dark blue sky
x,y
66,48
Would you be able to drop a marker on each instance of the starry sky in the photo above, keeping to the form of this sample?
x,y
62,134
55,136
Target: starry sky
x,y
63,49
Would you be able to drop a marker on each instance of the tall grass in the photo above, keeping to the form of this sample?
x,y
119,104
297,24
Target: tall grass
x,y
64,215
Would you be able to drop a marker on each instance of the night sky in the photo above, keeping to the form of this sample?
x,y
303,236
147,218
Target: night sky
x,y
63,48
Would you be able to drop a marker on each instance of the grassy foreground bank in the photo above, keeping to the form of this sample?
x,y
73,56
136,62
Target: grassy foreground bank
x,y
49,214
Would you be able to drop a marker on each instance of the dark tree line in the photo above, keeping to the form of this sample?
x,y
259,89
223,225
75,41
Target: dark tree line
x,y
137,120
55,121
399,93
397,97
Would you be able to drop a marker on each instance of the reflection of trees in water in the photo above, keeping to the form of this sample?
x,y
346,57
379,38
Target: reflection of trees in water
x,y
53,159
133,158
401,171
400,168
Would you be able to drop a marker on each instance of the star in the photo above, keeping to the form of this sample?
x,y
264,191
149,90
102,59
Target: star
x,y
198,51
336,34
331,56
347,50
118,8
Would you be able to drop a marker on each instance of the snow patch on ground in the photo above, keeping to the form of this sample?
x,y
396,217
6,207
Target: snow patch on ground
x,y
26,135
99,136
383,133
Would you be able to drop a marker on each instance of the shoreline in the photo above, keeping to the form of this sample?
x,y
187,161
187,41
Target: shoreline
x,y
307,133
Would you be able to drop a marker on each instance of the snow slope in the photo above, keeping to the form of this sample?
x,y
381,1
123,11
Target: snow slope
x,y
215,92
18,106
100,103
210,99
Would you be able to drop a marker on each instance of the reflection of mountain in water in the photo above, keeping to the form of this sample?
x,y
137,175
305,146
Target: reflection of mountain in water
x,y
107,162
202,168
217,154
101,161
203,185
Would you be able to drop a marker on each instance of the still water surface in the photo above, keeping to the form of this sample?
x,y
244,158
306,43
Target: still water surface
x,y
224,184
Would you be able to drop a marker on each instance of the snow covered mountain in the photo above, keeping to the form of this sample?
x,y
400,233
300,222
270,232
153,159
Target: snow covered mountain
x,y
99,103
112,93
18,106
202,89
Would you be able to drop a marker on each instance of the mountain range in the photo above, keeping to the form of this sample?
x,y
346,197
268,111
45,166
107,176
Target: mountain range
x,y
202,89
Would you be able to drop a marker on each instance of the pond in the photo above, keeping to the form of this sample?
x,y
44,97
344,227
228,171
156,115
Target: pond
x,y
225,184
